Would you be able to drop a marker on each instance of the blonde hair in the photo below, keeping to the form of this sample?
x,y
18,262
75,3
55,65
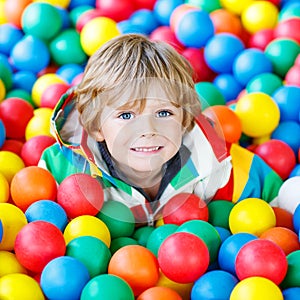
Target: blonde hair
x,y
128,67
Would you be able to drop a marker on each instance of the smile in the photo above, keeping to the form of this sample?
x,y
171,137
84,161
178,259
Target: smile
x,y
146,149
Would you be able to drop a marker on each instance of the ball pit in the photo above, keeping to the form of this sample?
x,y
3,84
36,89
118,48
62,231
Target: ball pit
x,y
243,54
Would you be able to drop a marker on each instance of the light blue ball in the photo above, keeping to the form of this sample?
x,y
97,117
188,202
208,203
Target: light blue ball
x,y
144,18
292,293
24,80
9,36
2,133
163,10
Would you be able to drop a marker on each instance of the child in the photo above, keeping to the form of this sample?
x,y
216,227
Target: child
x,y
135,123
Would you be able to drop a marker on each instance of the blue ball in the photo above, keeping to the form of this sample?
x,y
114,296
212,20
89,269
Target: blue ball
x,y
295,171
9,36
292,293
145,19
2,133
250,63
49,211
24,80
64,278
1,231
65,17
230,248
215,284
126,26
228,86
69,71
287,98
288,132
223,232
30,54
195,28
76,3
221,51
163,9
296,219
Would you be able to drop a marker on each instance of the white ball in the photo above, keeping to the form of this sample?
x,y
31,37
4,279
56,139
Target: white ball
x,y
289,194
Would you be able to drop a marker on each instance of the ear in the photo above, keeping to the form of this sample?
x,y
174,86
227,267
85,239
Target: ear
x,y
98,136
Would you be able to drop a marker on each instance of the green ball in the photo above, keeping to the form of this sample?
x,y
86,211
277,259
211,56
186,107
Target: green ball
x,y
107,287
207,5
205,231
92,252
118,218
282,52
120,242
77,12
292,277
289,11
142,234
219,211
158,235
66,48
6,76
266,83
209,94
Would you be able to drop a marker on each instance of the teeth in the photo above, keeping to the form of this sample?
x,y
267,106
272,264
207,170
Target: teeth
x,y
146,149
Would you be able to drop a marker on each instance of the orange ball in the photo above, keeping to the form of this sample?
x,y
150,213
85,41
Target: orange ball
x,y
227,122
32,184
283,218
283,237
13,10
137,266
159,293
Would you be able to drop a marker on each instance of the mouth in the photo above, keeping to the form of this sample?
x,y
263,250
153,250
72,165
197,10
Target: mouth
x,y
146,149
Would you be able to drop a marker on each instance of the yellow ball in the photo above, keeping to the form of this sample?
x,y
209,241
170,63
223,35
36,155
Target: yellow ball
x,y
96,32
20,286
9,264
41,84
235,6
59,3
87,225
259,114
2,91
4,189
10,164
39,124
260,15
256,288
251,215
13,220
3,19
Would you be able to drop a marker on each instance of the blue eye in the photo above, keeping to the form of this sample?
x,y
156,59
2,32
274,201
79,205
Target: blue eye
x,y
163,114
126,116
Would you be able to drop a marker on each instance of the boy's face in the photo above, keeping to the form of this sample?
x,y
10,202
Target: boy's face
x,y
141,141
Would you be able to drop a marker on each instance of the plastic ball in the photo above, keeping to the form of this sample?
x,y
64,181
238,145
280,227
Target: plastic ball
x,y
87,16
136,265
59,3
296,219
292,76
290,9
229,123
10,164
184,207
64,278
66,48
96,32
158,235
224,233
288,29
107,287
236,6
219,211
4,190
30,54
251,215
258,113
24,80
216,284
87,225
207,233
20,286
226,21
9,36
2,13
295,171
120,242
13,11
2,133
258,288
183,257
69,71
259,15
292,278
163,10
48,211
145,19
92,252
288,194
159,293
13,145
52,94
15,114
283,218
118,218
221,51
9,264
32,184
80,194
33,148
35,20
37,243
142,234
13,220
178,13
261,39
2,90
6,76
286,99
278,155
282,52
283,237
194,28
291,293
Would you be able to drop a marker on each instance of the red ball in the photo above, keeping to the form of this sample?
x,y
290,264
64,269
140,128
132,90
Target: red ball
x,y
261,39
14,146
86,17
183,257
15,114
52,94
148,4
184,207
292,77
34,147
80,194
261,258
278,155
288,29
37,243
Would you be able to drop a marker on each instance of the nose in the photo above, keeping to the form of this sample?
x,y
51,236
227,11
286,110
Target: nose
x,y
148,128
